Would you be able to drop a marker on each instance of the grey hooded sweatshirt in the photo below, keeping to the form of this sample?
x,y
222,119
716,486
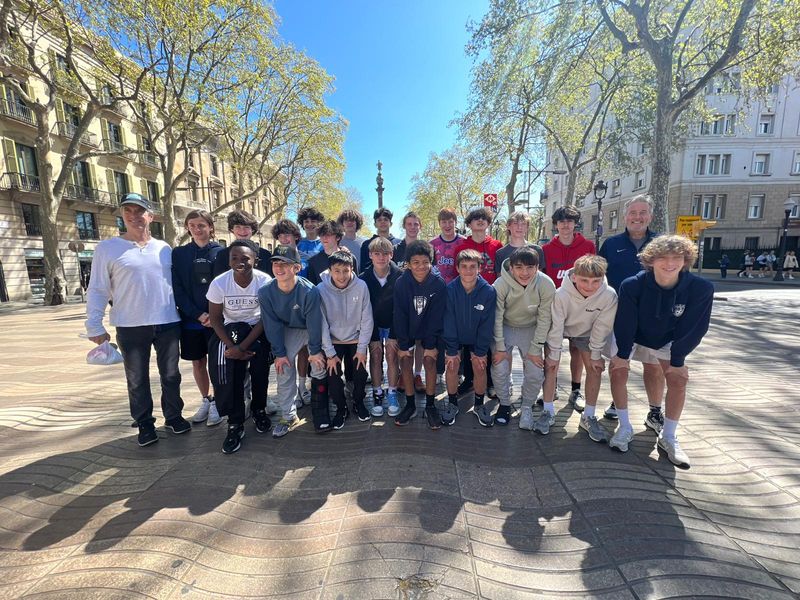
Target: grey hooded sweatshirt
x,y
346,314
576,316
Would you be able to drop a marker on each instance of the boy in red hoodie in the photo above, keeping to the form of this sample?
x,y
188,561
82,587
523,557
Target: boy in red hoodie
x,y
560,255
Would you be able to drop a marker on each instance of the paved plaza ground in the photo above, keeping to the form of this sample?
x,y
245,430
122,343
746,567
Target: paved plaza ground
x,y
376,511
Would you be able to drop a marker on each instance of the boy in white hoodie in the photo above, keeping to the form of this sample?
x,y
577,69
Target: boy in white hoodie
x,y
583,312
522,320
346,332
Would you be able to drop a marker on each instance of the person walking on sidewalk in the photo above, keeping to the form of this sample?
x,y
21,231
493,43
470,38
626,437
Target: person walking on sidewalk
x,y
724,263
134,272
192,273
790,263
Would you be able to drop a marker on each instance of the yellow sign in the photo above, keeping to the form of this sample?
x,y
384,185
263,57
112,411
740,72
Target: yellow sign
x,y
685,226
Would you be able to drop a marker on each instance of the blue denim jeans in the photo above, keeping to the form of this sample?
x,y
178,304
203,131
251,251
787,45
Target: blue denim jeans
x,y
135,344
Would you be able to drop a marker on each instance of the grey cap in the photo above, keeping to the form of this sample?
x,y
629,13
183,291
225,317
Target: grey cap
x,y
286,254
138,200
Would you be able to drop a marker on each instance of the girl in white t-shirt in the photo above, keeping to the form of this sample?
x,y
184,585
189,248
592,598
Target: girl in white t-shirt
x,y
239,343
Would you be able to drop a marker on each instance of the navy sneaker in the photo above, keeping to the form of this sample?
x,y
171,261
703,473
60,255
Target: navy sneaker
x,y
147,434
178,425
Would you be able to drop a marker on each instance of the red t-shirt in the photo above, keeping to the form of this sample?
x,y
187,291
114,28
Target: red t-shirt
x,y
488,250
558,258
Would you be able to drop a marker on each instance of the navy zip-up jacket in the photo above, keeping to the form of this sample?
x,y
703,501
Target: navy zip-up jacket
x,y
652,316
622,257
469,318
382,297
419,310
190,293
299,309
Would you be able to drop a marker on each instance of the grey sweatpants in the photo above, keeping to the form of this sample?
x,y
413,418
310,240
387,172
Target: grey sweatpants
x,y
294,339
532,376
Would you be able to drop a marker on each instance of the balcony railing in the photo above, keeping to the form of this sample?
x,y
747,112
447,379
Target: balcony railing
x,y
68,83
88,233
18,56
18,112
87,194
151,160
20,181
68,130
115,106
114,146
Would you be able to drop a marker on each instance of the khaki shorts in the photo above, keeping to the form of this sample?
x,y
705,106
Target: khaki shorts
x,y
639,353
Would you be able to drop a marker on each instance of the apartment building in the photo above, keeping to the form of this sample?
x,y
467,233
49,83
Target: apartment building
x,y
89,210
737,169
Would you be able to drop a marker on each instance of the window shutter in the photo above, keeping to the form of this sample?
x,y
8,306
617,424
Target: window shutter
x,y
10,149
112,185
60,111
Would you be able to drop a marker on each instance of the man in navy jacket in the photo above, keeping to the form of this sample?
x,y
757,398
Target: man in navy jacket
x,y
468,328
663,314
419,301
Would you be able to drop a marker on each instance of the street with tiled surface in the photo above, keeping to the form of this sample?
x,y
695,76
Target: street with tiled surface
x,y
378,511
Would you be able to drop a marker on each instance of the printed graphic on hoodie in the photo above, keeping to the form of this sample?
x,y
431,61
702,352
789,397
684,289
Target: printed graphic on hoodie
x,y
420,302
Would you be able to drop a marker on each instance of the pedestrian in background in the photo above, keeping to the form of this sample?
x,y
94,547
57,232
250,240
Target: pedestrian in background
x,y
724,263
790,263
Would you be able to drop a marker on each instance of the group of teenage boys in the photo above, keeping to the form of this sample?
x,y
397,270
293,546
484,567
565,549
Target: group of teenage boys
x,y
336,307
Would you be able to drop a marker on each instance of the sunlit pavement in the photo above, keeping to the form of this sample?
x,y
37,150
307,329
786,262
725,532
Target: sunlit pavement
x,y
378,511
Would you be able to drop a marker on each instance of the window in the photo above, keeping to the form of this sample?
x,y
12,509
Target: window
x,y
191,159
87,225
730,124
696,205
81,175
615,188
106,94
751,243
796,164
32,218
641,148
72,114
193,193
755,206
217,198
152,192
61,63
761,164
712,164
770,90
555,185
639,180
709,206
766,125
214,166
719,207
795,213
157,230
712,243
121,225
719,125
612,220
121,183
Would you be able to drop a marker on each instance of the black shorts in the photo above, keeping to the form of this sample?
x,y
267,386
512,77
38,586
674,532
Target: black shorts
x,y
194,343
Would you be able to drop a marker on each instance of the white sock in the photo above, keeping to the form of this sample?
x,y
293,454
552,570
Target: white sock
x,y
670,429
624,419
378,391
392,389
550,407
301,383
588,411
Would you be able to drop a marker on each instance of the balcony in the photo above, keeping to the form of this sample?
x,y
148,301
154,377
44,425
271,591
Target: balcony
x,y
18,112
112,104
149,160
68,130
121,149
86,194
17,56
69,84
20,181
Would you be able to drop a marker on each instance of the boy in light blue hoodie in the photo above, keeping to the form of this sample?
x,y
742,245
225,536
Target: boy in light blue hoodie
x,y
468,329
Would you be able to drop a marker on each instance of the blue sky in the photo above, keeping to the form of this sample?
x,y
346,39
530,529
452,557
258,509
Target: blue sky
x,y
401,76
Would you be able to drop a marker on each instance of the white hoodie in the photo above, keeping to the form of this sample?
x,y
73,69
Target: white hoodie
x,y
346,314
576,316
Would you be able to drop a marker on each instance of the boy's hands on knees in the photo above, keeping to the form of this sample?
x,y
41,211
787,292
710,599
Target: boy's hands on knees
x,y
536,359
478,362
677,372
317,360
361,360
430,353
391,345
619,363
598,365
281,363
332,363
551,364
401,354
499,356
451,363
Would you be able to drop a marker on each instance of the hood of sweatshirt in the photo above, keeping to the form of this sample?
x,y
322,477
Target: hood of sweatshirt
x,y
569,287
530,294
665,298
343,310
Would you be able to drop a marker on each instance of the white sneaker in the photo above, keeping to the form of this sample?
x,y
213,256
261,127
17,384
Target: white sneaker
x,y
272,407
577,400
213,415
526,418
306,395
621,439
202,412
674,451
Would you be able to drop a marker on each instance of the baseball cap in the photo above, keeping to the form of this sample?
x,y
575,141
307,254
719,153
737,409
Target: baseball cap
x,y
286,254
138,200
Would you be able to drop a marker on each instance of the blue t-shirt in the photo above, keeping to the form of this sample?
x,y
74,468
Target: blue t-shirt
x,y
307,248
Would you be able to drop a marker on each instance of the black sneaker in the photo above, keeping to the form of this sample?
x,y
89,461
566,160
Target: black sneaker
x,y
408,413
147,434
233,441
503,415
262,421
434,420
361,412
465,387
178,425
339,419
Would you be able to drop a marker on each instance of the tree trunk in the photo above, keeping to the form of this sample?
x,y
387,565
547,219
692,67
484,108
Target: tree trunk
x,y
53,265
569,192
662,146
512,183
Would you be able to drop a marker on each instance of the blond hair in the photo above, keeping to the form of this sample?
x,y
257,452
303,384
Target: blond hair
x,y
665,245
381,244
469,255
590,265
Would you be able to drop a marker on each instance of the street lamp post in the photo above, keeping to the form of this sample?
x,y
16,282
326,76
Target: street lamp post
x,y
788,206
379,189
600,189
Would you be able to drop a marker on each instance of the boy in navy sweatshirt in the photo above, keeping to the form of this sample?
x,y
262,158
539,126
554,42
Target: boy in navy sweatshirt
x,y
290,311
419,302
663,314
468,328
380,278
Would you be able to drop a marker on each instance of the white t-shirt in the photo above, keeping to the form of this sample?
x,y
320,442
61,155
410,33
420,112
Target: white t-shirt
x,y
239,305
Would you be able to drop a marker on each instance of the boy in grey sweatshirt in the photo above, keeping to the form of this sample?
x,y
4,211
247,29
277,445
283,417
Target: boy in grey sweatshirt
x,y
583,311
522,320
346,332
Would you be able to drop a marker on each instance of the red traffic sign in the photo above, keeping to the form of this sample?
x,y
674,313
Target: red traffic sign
x,y
490,201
